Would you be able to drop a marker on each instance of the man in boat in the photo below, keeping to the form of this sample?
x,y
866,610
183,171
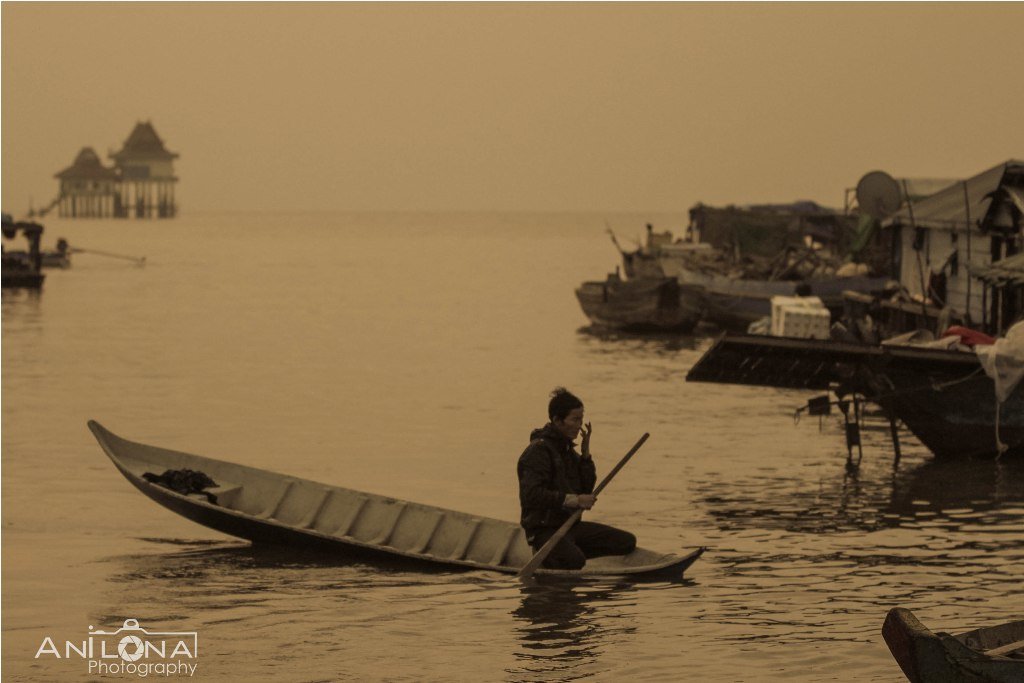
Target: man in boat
x,y
555,481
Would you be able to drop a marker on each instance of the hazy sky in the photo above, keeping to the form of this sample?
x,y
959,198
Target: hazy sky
x,y
513,106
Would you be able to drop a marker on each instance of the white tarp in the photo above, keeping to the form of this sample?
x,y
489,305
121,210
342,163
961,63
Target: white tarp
x,y
1004,361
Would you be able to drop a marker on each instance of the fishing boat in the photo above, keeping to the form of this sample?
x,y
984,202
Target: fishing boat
x,y
994,654
660,304
266,507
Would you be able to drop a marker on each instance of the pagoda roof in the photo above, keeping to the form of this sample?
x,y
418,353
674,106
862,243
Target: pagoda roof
x,y
143,143
87,166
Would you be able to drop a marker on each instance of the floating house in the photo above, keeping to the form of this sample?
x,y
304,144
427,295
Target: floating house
x,y
140,184
944,242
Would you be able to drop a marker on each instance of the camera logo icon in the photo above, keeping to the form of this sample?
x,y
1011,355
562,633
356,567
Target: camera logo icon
x,y
131,648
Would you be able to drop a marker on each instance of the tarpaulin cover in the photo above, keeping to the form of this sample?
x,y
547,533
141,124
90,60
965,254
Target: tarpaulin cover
x,y
1004,361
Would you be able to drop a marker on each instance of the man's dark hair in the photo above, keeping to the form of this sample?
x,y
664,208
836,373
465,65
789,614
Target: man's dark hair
x,y
562,403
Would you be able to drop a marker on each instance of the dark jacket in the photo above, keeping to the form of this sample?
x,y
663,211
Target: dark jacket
x,y
549,469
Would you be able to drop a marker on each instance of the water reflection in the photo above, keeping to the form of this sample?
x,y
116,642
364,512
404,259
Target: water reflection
x,y
959,494
975,485
19,295
605,340
566,625
212,560
22,308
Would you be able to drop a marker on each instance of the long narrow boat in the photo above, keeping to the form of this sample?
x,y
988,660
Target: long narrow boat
x,y
994,654
266,507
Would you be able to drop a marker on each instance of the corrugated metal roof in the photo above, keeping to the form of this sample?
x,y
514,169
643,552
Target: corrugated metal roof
x,y
1007,272
948,209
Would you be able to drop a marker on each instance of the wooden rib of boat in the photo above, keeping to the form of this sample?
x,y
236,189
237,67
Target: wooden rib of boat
x,y
266,507
994,654
641,304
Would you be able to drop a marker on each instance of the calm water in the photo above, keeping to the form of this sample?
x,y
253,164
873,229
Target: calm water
x,y
411,355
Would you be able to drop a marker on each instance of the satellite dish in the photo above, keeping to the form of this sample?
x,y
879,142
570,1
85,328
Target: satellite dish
x,y
879,195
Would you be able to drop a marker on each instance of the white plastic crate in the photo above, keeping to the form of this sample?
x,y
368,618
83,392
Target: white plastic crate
x,y
804,317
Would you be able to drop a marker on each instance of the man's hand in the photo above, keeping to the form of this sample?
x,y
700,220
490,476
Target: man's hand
x,y
585,444
579,501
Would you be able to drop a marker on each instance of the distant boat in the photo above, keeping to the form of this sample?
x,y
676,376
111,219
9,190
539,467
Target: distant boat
x,y
994,654
24,269
266,507
48,259
645,304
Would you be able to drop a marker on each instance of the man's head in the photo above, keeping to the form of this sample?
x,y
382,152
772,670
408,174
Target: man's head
x,y
565,411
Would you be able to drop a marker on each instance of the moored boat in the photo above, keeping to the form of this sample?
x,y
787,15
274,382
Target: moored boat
x,y
994,654
22,271
944,397
641,304
267,507
733,304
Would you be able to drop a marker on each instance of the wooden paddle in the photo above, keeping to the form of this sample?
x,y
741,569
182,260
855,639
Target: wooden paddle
x,y
545,550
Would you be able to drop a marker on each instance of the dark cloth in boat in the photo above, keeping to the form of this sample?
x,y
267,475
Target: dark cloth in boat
x,y
184,482
584,541
551,475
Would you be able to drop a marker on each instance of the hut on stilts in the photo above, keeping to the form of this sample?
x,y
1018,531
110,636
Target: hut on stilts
x,y
140,184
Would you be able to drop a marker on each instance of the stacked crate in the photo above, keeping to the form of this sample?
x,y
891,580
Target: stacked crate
x,y
802,317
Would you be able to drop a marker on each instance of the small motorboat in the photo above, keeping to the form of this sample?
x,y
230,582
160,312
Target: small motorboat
x,y
266,507
994,654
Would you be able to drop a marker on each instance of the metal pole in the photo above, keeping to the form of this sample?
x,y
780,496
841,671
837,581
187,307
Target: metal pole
x,y
920,268
967,212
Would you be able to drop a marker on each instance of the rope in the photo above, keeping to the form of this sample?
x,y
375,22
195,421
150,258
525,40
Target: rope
x,y
1000,446
934,386
942,386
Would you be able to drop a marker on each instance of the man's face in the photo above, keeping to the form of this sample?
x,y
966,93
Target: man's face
x,y
571,425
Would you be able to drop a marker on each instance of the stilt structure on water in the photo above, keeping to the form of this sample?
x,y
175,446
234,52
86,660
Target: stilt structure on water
x,y
139,185
146,170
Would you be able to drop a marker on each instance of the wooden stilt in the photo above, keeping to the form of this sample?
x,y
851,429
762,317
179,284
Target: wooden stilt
x,y
856,422
894,430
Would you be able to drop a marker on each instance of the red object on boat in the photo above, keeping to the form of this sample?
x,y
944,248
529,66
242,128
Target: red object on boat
x,y
968,336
